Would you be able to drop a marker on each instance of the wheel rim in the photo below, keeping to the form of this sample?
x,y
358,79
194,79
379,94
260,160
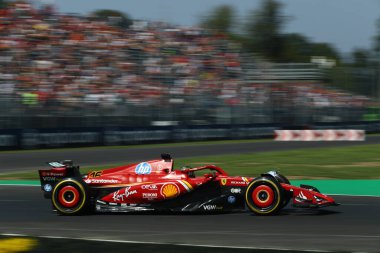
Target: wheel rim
x,y
68,196
263,196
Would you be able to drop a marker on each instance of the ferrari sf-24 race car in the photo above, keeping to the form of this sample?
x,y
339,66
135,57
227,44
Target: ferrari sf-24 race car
x,y
155,186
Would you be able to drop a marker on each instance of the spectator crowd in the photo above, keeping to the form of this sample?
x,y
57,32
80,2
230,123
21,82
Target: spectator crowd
x,y
54,63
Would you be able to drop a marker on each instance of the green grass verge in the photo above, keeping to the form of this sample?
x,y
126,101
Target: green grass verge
x,y
355,162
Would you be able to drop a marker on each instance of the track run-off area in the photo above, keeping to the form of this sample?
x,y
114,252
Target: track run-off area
x,y
354,226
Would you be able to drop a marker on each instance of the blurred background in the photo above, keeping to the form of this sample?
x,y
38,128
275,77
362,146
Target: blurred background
x,y
104,76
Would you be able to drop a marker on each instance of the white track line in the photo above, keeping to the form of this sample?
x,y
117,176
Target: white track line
x,y
204,232
177,244
173,244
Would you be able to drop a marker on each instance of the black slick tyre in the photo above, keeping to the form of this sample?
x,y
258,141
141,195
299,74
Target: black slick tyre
x,y
287,195
264,196
69,197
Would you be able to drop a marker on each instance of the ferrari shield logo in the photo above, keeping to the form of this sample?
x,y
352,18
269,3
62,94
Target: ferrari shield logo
x,y
223,181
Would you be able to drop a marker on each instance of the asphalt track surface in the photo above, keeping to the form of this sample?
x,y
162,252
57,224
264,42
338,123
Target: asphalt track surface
x,y
33,160
352,227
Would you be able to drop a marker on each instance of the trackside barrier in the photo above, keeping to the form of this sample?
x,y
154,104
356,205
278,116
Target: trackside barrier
x,y
320,135
80,137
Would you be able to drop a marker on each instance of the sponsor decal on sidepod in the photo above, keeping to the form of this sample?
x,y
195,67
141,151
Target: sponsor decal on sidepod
x,y
143,168
150,195
117,196
169,190
149,187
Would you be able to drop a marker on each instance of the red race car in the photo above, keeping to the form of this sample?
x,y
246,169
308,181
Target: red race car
x,y
156,186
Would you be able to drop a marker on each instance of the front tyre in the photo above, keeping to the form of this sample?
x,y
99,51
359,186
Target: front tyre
x,y
264,196
287,195
69,197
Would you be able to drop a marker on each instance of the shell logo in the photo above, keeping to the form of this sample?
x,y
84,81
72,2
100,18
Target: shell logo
x,y
169,190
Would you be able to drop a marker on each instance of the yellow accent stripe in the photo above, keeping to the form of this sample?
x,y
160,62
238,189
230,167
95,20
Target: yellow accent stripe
x,y
185,184
188,184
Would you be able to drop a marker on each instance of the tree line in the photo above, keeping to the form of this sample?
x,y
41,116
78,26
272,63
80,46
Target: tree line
x,y
263,33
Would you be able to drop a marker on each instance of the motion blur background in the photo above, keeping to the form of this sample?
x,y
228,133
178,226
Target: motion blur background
x,y
107,77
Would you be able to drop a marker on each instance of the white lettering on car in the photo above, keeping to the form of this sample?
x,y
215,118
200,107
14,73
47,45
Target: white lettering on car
x,y
239,182
117,196
235,190
150,195
149,187
103,181
212,207
49,178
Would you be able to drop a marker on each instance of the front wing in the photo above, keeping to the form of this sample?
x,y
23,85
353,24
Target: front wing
x,y
308,196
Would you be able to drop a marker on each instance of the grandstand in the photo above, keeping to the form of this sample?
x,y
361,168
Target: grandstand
x,y
61,70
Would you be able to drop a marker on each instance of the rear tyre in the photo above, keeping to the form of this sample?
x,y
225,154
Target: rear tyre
x,y
70,197
264,196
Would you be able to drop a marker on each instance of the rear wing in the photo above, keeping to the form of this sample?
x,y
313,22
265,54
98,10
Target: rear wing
x,y
50,177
